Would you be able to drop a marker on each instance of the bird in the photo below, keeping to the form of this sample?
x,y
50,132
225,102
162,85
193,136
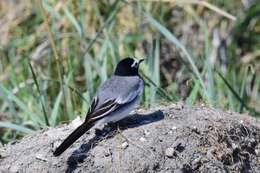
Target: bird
x,y
114,100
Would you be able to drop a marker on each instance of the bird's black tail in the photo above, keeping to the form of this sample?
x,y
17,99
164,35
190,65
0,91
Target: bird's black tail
x,y
76,134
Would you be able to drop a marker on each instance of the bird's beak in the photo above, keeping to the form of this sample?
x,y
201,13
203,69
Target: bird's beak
x,y
141,60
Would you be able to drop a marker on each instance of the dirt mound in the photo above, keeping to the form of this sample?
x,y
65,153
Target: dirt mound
x,y
172,138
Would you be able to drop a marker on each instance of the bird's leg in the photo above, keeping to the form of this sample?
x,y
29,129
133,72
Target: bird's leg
x,y
118,129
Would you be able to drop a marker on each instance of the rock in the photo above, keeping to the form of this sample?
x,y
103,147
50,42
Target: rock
x,y
174,128
146,132
178,106
124,145
221,148
40,157
169,152
142,139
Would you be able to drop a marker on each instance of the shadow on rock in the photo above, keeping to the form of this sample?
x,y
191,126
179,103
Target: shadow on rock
x,y
80,154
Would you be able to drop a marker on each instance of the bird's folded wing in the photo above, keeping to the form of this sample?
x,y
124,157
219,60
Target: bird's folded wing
x,y
96,113
103,110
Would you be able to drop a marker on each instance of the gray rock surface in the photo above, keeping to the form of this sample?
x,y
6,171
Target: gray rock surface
x,y
165,139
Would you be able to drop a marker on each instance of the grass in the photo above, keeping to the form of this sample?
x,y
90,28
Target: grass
x,y
55,54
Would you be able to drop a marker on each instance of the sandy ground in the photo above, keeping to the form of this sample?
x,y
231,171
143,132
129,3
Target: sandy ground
x,y
174,138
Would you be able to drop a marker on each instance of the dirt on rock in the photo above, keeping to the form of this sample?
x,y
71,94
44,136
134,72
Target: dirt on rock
x,y
174,138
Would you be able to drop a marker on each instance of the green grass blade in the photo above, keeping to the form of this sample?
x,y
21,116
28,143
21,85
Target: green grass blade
x,y
38,89
153,70
164,31
73,20
161,91
55,110
9,95
12,97
253,111
193,94
103,59
108,21
16,127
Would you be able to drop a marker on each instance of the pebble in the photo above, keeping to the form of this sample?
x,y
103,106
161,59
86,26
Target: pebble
x,y
146,132
196,161
174,127
40,157
169,152
257,152
124,145
234,146
107,154
179,106
195,129
142,139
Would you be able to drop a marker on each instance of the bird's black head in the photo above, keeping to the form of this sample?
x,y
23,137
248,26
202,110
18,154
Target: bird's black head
x,y
128,67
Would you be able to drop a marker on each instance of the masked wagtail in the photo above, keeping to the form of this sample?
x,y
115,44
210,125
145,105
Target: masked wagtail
x,y
114,100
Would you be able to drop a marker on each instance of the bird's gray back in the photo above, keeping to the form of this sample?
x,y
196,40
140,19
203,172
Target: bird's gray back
x,y
118,86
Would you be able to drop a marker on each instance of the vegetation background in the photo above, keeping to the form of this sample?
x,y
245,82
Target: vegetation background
x,y
55,53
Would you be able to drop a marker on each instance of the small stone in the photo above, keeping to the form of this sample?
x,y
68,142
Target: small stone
x,y
142,139
107,154
124,145
40,157
146,132
179,147
174,127
195,130
257,152
196,162
169,152
179,106
56,144
234,146
168,114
